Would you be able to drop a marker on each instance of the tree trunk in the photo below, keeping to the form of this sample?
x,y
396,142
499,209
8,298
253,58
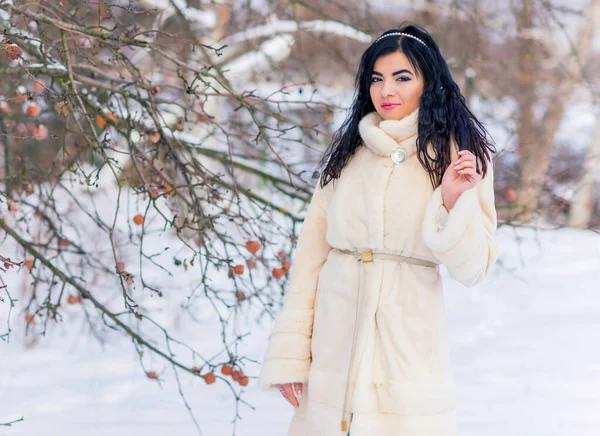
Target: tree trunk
x,y
527,97
581,206
534,157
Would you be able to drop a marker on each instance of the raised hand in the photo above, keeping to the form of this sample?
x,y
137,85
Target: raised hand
x,y
459,176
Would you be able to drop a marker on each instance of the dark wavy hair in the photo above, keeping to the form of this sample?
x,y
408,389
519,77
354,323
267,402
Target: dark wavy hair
x,y
443,112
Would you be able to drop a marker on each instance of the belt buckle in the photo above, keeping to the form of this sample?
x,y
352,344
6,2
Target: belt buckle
x,y
367,256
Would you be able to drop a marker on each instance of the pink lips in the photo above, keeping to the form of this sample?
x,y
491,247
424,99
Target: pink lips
x,y
387,106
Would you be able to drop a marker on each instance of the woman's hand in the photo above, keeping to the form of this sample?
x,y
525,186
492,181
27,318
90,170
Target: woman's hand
x,y
288,389
459,176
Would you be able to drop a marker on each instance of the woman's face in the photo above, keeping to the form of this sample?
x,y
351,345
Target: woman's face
x,y
395,87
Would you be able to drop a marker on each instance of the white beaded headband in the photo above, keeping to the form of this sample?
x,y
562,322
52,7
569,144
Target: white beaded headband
x,y
402,34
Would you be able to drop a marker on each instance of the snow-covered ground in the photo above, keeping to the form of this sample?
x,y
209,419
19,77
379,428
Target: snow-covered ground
x,y
524,348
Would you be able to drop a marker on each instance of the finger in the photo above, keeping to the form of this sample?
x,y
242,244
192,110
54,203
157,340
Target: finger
x,y
282,391
468,171
289,395
467,158
465,155
463,165
298,389
460,160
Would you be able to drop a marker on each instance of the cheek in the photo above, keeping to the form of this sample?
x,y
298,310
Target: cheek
x,y
374,95
414,94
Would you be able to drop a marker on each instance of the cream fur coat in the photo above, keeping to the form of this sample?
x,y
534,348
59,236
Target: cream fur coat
x,y
402,384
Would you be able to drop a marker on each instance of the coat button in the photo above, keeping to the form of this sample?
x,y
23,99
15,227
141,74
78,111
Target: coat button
x,y
399,156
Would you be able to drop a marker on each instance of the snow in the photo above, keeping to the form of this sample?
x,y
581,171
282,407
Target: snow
x,y
523,349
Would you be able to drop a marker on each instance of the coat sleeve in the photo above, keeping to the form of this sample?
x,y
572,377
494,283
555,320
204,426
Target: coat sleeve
x,y
288,355
464,238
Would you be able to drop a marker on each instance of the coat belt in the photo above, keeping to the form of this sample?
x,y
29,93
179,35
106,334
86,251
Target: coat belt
x,y
366,257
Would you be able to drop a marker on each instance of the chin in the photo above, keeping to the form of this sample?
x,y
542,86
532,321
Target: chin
x,y
397,114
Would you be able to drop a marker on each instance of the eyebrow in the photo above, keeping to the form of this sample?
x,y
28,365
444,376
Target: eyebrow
x,y
395,73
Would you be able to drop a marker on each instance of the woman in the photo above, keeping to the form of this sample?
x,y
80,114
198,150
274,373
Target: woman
x,y
360,345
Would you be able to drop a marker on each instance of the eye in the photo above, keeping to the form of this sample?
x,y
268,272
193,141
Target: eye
x,y
403,79
374,79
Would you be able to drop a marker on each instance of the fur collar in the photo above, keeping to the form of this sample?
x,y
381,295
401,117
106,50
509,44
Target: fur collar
x,y
383,137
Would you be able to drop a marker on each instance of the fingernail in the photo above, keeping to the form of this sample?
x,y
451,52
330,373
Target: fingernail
x,y
299,392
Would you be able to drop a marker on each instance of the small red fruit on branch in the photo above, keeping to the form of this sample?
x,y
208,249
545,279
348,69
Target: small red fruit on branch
x,y
13,51
33,110
40,132
511,194
210,378
74,299
277,273
101,119
138,219
253,246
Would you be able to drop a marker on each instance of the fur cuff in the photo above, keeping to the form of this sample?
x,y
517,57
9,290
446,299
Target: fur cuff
x,y
280,371
442,217
442,233
288,355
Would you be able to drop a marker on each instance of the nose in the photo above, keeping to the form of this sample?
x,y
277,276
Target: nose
x,y
387,89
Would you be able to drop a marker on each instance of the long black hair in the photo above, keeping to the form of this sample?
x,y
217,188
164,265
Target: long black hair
x,y
443,112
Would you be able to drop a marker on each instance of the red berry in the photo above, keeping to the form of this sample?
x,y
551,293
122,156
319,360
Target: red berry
x,y
253,246
210,378
74,299
33,110
138,219
277,273
511,194
40,132
13,52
